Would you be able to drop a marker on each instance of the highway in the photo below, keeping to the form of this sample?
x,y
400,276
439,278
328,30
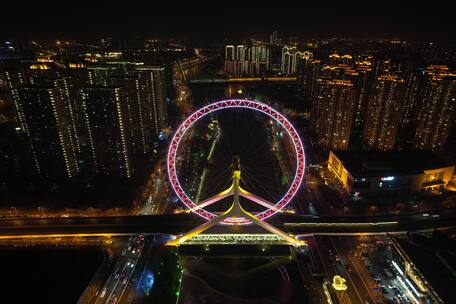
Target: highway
x,y
116,284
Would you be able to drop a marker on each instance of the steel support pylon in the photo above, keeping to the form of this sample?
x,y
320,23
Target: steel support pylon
x,y
235,211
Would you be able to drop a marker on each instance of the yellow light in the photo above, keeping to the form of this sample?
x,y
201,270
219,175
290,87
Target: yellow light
x,y
43,236
39,67
339,283
75,65
43,59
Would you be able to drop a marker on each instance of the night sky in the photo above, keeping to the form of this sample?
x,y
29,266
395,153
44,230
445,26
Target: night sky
x,y
422,20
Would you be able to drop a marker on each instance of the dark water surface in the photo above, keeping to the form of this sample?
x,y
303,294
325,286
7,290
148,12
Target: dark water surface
x,y
246,276
46,275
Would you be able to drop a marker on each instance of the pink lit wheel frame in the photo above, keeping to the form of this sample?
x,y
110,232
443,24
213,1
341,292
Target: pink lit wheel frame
x,y
241,104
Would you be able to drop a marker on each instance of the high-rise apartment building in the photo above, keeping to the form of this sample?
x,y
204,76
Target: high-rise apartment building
x,y
383,112
436,108
139,127
63,87
332,113
361,77
106,118
15,76
152,89
246,60
274,38
308,71
49,130
291,57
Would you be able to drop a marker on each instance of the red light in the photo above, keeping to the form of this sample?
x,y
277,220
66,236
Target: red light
x,y
236,103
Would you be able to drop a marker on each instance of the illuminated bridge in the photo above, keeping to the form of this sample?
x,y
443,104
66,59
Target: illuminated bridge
x,y
178,223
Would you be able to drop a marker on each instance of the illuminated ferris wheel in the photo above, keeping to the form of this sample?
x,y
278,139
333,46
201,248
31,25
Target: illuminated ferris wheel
x,y
236,215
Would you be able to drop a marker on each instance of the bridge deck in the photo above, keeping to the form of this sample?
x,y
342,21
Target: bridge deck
x,y
181,223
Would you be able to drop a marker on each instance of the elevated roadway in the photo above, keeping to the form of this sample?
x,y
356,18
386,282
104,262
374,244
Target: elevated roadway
x,y
180,223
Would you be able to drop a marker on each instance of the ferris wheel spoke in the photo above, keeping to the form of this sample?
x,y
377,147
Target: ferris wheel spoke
x,y
240,104
213,199
256,199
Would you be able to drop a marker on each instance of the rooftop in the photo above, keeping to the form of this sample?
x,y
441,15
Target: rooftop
x,y
370,163
434,258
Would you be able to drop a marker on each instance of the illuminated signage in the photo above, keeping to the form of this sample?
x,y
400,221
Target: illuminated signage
x,y
339,283
387,178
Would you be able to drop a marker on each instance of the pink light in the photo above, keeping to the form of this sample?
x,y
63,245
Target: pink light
x,y
236,103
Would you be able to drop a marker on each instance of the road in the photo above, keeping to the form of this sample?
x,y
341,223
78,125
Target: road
x,y
114,288
119,285
178,223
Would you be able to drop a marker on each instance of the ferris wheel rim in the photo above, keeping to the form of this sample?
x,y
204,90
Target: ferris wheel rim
x,y
241,104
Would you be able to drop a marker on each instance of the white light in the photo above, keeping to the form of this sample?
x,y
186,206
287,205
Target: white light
x,y
413,287
415,300
397,268
387,178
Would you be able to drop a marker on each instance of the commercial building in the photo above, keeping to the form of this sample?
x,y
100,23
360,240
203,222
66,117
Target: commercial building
x,y
424,265
372,172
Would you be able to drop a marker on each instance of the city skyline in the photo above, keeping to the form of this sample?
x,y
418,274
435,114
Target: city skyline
x,y
228,153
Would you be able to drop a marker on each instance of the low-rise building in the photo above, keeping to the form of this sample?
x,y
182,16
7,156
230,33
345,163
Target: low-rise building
x,y
424,265
383,172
